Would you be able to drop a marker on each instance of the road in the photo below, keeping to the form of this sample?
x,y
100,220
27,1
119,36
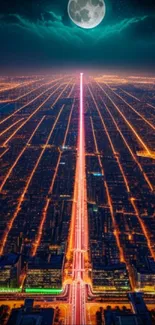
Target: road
x,y
80,243
112,115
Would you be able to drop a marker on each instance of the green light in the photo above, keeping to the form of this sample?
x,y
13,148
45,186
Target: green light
x,y
11,290
44,291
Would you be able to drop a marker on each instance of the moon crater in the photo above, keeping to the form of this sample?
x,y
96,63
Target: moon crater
x,y
86,13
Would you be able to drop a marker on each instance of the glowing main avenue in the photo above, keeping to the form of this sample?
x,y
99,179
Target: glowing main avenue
x,y
80,242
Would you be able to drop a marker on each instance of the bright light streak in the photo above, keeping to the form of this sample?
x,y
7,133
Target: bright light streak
x,y
4,152
11,126
79,220
44,290
9,290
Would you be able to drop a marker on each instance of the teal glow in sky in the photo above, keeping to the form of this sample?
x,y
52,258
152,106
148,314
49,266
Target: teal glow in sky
x,y
40,33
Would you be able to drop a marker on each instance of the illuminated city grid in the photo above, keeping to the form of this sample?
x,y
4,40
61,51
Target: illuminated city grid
x,y
77,156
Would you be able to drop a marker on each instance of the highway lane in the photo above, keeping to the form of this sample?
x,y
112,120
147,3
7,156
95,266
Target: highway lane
x,y
80,248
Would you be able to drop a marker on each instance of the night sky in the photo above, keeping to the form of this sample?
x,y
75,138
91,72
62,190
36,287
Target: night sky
x,y
39,34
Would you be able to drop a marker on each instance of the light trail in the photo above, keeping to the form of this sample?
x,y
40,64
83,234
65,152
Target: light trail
x,y
132,108
3,153
21,199
80,243
11,126
151,105
127,122
36,244
11,87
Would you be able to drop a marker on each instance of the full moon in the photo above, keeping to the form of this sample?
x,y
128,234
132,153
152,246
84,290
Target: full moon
x,y
86,13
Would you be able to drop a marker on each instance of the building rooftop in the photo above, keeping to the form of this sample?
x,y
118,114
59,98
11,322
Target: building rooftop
x,y
147,268
128,320
54,262
9,259
31,316
113,267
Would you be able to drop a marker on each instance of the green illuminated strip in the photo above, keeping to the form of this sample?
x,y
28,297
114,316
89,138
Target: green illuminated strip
x,y
11,290
31,290
45,291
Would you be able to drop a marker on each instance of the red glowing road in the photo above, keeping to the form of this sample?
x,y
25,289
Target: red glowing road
x,y
80,243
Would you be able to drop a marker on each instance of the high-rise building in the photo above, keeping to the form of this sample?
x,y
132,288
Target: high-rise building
x,y
114,277
45,274
10,269
144,275
30,315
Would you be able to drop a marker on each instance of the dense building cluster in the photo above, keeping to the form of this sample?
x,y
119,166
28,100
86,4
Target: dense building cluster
x,y
120,182
38,153
38,157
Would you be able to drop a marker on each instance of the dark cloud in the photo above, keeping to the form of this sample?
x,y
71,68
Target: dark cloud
x,y
40,32
144,30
